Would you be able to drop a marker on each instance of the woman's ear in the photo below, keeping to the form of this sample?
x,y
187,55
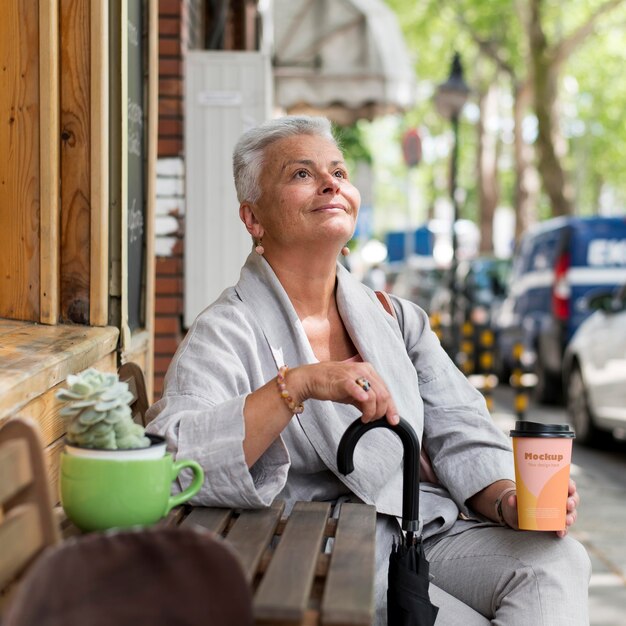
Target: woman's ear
x,y
247,216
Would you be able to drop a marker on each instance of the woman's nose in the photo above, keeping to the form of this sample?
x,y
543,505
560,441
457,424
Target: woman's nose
x,y
330,183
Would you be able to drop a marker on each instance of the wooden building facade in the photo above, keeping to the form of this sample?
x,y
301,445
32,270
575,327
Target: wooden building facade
x,y
78,140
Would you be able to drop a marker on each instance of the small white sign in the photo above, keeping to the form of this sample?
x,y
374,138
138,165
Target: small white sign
x,y
220,98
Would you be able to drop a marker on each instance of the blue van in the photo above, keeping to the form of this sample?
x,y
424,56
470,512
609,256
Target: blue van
x,y
554,266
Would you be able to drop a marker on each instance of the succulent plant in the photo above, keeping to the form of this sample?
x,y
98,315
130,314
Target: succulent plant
x,y
98,414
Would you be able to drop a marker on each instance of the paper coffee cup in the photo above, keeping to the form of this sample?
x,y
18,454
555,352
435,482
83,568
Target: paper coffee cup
x,y
542,453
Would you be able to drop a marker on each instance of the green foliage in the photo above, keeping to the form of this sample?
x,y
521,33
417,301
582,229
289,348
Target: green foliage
x,y
98,414
494,46
595,117
352,143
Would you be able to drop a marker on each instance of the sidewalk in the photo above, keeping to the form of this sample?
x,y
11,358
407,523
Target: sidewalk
x,y
601,523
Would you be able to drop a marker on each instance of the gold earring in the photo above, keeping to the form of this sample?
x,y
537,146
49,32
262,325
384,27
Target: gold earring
x,y
345,251
259,249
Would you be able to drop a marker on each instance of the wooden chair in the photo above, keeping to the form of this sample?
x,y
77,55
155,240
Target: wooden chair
x,y
27,522
132,374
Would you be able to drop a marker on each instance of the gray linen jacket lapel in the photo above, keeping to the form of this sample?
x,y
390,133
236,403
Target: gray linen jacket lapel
x,y
377,478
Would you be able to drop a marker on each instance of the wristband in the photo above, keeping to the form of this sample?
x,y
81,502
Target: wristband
x,y
498,504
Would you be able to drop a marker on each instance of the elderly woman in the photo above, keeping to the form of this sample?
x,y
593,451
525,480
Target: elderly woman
x,y
271,374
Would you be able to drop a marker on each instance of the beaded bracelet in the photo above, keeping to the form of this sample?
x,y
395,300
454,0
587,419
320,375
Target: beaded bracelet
x,y
296,409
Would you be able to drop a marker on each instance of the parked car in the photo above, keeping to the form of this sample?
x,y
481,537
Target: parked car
x,y
417,280
478,288
554,267
594,368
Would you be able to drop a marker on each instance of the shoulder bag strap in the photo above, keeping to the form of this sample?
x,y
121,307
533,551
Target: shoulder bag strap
x,y
385,300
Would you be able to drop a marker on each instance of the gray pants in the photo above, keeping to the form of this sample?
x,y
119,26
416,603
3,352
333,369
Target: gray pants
x,y
496,576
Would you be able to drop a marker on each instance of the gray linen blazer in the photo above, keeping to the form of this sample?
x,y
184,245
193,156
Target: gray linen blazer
x,y
237,344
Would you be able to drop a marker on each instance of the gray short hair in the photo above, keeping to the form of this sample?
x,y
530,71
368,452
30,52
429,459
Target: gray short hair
x,y
249,150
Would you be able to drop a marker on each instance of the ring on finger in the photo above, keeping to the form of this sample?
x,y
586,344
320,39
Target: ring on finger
x,y
363,383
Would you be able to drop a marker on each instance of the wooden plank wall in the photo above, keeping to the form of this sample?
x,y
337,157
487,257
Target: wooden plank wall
x,y
46,274
19,162
49,161
75,160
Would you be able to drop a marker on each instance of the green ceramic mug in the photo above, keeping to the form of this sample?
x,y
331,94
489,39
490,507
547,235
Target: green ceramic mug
x,y
98,494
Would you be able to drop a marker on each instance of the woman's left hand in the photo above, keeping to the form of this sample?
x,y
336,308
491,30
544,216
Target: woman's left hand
x,y
509,509
573,500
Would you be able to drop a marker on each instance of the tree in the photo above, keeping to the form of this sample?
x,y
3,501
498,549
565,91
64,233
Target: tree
x,y
546,63
531,44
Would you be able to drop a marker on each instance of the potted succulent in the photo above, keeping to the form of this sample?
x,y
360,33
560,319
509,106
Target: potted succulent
x,y
98,418
114,475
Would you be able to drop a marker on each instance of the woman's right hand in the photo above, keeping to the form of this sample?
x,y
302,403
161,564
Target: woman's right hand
x,y
337,381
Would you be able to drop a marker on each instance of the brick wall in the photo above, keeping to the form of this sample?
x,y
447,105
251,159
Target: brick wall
x,y
182,26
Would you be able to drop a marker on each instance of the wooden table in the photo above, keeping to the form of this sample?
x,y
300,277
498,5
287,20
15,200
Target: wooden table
x,y
297,578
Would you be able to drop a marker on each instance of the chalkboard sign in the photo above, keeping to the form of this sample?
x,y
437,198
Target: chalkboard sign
x,y
136,165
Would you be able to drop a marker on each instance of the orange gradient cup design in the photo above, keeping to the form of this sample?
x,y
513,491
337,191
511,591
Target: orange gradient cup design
x,y
543,454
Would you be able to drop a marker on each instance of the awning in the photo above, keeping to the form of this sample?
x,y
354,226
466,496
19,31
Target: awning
x,y
343,58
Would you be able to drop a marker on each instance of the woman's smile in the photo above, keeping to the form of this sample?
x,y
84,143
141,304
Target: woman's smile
x,y
330,208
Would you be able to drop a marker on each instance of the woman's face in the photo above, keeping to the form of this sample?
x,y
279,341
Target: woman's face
x,y
306,196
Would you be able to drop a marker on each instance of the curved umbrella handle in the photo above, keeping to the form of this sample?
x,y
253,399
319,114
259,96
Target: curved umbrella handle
x,y
411,476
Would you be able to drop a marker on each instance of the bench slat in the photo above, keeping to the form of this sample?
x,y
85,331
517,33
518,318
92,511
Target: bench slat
x,y
20,540
212,519
251,534
283,594
15,470
348,594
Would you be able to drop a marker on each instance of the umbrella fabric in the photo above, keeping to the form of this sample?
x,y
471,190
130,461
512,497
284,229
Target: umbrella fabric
x,y
408,602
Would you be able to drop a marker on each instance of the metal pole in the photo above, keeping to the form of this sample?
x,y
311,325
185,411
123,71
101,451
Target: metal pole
x,y
408,234
455,217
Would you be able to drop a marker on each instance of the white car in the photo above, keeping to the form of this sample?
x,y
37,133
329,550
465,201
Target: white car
x,y
595,369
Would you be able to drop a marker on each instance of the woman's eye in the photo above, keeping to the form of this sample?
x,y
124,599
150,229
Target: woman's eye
x,y
340,174
301,174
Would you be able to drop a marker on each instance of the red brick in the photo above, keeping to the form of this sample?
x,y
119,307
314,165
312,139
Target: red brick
x,y
169,47
168,266
161,363
170,106
169,25
169,286
170,67
169,325
170,147
178,248
172,87
165,345
171,127
170,7
168,304
158,386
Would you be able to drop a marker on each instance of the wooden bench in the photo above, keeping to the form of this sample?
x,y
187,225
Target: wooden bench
x,y
297,575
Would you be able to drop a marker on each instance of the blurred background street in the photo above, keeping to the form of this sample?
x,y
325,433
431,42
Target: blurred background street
x,y
599,475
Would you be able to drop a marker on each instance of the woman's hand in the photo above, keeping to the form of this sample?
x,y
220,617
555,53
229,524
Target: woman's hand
x,y
337,381
573,500
509,509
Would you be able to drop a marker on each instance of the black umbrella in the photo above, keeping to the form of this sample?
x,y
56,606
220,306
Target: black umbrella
x,y
408,602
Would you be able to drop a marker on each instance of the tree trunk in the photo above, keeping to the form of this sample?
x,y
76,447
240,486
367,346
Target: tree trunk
x,y
526,189
487,166
545,85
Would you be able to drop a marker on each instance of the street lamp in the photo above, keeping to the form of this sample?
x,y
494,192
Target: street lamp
x,y
450,98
